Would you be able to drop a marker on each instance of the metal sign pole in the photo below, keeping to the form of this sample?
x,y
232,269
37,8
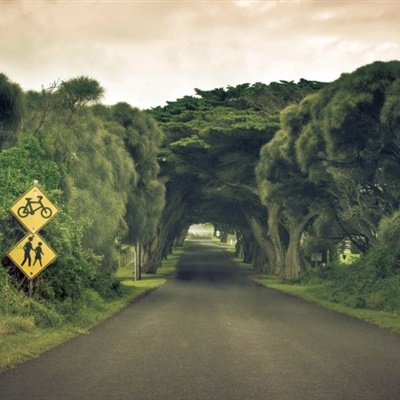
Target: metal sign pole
x,y
30,288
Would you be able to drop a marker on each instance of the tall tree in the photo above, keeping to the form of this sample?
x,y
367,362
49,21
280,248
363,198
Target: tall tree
x,y
146,200
98,171
334,158
79,91
11,112
292,200
352,136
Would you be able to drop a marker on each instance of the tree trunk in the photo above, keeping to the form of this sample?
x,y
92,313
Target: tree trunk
x,y
295,264
260,260
275,232
248,245
239,246
224,237
155,251
264,241
138,262
181,238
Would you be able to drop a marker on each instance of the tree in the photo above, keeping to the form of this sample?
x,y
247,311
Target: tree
x,y
11,112
98,173
146,198
214,140
352,136
107,183
333,160
292,200
389,233
79,91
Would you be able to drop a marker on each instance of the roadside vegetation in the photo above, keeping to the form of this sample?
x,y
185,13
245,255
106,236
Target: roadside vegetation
x,y
346,288
29,327
325,293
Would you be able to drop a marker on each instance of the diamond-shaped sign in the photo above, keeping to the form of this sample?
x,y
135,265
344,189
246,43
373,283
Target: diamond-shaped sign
x,y
34,210
32,255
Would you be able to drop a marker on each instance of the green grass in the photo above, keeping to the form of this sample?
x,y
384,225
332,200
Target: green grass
x,y
21,339
316,293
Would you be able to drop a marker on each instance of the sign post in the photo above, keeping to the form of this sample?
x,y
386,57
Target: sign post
x,y
316,257
32,254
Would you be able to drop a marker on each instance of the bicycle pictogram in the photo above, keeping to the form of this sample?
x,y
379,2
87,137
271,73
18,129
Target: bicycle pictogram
x,y
29,209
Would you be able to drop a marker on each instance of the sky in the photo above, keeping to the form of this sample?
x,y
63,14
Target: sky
x,y
149,52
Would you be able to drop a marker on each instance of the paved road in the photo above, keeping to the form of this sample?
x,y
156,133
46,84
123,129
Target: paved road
x,y
212,334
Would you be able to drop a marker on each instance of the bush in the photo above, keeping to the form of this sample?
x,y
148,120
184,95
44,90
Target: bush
x,y
44,314
106,285
385,295
16,303
370,282
83,310
75,266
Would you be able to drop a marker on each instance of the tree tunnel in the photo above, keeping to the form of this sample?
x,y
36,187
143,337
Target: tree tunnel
x,y
293,168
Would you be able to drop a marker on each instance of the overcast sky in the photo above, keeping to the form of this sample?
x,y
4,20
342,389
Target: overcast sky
x,y
147,52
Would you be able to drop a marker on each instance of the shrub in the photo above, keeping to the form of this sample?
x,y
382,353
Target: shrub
x,y
370,282
16,303
385,295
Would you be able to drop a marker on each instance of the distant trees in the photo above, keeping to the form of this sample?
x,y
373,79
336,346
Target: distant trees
x,y
212,142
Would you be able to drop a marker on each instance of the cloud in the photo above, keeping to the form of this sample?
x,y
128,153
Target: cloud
x,y
152,51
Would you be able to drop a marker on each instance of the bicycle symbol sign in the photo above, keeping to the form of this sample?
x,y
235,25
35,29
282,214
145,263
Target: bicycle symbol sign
x,y
34,210
28,209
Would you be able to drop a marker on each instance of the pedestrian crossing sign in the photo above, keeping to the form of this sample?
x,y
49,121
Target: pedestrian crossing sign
x,y
32,255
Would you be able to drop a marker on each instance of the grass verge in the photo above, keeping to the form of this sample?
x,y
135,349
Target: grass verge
x,y
21,340
315,293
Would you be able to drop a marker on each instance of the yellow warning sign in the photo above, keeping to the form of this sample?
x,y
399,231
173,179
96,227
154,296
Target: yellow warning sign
x,y
32,255
34,210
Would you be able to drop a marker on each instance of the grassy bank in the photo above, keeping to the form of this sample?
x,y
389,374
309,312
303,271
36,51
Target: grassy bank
x,y
21,339
317,293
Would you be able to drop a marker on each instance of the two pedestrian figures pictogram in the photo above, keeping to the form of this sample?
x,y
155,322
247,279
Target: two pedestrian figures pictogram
x,y
32,254
28,247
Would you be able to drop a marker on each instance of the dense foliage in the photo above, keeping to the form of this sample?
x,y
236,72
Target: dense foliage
x,y
101,173
296,170
212,141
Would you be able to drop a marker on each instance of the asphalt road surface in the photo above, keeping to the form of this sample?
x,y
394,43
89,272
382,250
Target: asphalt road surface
x,y
212,334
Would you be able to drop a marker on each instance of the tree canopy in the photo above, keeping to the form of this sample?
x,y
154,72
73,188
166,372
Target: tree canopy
x,y
291,168
214,139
